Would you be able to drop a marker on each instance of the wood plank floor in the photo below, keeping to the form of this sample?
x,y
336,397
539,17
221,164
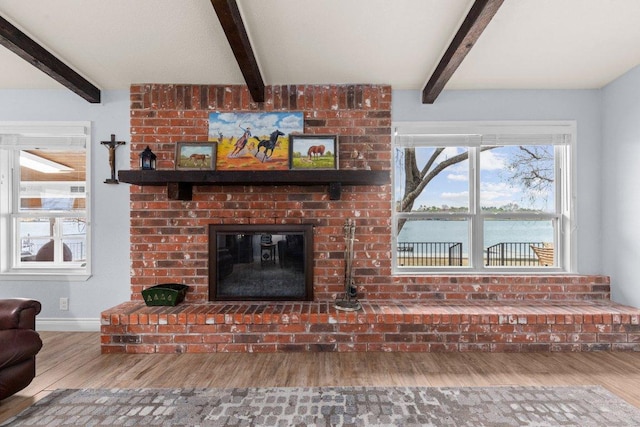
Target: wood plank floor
x,y
73,360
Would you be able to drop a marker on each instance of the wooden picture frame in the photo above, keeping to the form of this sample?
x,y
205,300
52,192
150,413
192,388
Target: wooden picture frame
x,y
317,152
196,156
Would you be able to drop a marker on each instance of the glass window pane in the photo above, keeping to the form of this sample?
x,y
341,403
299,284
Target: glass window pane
x,y
517,243
34,234
433,242
52,180
446,173
517,179
38,242
74,237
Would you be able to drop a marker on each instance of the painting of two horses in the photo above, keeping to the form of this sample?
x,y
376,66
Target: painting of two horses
x,y
254,141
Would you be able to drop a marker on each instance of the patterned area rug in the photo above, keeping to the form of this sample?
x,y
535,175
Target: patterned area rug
x,y
333,406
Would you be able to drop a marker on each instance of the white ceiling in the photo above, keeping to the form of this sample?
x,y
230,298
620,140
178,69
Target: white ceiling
x,y
530,44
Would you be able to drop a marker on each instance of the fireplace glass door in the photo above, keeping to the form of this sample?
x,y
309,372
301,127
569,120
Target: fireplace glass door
x,y
251,263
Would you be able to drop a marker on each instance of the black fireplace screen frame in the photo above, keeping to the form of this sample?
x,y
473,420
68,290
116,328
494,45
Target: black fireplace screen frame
x,y
275,257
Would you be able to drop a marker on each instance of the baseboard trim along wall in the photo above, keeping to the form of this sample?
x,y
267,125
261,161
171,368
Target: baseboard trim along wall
x,y
68,325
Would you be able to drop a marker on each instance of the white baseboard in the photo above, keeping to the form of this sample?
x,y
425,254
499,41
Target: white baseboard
x,y
67,325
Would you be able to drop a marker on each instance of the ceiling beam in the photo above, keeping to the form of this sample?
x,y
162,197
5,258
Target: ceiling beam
x,y
23,46
472,27
229,16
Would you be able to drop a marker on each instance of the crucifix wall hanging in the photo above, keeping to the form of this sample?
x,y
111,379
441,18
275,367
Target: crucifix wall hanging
x,y
112,145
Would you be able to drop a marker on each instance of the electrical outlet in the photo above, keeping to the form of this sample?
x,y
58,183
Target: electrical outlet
x,y
64,304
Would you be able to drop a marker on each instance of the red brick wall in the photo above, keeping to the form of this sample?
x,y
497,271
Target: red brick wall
x,y
169,238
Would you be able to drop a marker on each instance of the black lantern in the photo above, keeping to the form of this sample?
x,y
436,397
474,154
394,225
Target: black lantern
x,y
147,159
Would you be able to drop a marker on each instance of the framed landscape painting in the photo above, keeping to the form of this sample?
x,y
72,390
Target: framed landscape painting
x,y
254,141
195,155
313,151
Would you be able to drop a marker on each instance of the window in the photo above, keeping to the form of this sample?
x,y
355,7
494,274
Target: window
x,y
44,185
483,197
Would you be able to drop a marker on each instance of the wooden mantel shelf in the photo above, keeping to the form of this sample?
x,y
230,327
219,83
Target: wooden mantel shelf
x,y
180,183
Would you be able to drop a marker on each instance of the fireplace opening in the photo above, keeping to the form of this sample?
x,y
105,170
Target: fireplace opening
x,y
260,262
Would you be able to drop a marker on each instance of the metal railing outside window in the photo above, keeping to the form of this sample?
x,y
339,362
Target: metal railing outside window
x,y
512,254
429,254
31,246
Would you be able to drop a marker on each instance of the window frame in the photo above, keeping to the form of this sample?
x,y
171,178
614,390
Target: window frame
x,y
473,135
17,136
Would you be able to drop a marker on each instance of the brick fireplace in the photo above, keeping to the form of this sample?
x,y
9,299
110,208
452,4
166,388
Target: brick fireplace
x,y
169,239
170,243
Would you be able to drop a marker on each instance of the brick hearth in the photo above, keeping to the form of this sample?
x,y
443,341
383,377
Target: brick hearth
x,y
447,314
435,326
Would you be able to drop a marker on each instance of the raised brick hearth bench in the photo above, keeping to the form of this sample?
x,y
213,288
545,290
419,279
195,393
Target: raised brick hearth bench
x,y
430,326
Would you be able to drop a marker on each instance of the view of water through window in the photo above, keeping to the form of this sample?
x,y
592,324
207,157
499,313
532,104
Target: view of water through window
x,y
494,232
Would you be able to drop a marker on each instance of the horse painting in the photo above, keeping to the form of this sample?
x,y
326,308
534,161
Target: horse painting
x,y
268,144
199,159
315,151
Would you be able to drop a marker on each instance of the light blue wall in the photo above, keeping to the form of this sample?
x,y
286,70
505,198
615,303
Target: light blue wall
x,y
110,283
621,179
583,106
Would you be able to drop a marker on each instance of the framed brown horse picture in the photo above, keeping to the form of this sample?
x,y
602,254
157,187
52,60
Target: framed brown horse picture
x,y
195,156
313,152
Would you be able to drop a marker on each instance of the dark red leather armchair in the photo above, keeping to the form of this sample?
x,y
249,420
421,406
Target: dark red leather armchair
x,y
19,344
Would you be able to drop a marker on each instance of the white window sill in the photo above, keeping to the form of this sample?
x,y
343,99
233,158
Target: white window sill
x,y
46,276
